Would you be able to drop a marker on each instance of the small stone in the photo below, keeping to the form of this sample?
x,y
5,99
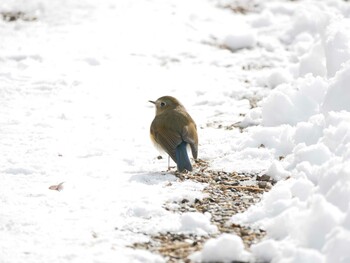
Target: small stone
x,y
268,185
262,184
217,179
197,201
263,177
183,201
244,232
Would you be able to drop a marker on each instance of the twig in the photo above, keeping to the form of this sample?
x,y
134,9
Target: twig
x,y
249,188
174,247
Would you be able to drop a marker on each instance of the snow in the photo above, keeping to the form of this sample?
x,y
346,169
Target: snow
x,y
75,83
296,102
244,39
225,248
197,223
336,97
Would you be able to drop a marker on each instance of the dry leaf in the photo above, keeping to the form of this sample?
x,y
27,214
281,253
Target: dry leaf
x,y
58,187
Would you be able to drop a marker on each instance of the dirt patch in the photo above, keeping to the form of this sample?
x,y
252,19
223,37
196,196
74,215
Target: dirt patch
x,y
228,193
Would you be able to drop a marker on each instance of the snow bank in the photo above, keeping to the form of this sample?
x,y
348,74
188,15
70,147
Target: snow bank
x,y
306,214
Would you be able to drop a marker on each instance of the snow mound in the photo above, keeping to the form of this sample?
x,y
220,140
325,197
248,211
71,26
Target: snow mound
x,y
294,102
243,38
225,248
197,223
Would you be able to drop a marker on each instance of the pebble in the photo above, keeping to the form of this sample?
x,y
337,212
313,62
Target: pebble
x,y
185,201
262,184
263,177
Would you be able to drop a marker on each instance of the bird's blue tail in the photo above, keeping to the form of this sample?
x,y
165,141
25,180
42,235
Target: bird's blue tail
x,y
182,160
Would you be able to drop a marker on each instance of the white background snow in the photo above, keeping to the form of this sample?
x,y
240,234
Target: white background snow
x,y
74,86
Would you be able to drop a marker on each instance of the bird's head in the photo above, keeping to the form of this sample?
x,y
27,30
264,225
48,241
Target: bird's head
x,y
165,103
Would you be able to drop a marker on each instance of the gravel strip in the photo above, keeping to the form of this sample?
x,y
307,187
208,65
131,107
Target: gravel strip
x,y
228,193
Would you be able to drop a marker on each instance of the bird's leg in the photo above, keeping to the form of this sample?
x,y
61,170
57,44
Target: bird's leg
x,y
169,167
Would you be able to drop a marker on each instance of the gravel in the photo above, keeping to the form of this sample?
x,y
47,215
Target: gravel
x,y
227,193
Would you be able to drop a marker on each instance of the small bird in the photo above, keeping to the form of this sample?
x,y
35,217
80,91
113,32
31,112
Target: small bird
x,y
173,129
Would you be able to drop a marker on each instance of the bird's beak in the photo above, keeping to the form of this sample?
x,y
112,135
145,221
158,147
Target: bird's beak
x,y
151,101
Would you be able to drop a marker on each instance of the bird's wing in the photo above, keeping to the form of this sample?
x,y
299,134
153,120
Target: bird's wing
x,y
168,140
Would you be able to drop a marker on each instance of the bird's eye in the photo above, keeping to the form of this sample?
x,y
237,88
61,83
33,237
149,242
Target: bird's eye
x,y
162,104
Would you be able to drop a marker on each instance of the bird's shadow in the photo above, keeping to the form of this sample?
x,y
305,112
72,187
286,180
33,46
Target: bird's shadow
x,y
153,178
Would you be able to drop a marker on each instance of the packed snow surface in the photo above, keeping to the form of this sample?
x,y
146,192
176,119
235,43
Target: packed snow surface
x,y
75,80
